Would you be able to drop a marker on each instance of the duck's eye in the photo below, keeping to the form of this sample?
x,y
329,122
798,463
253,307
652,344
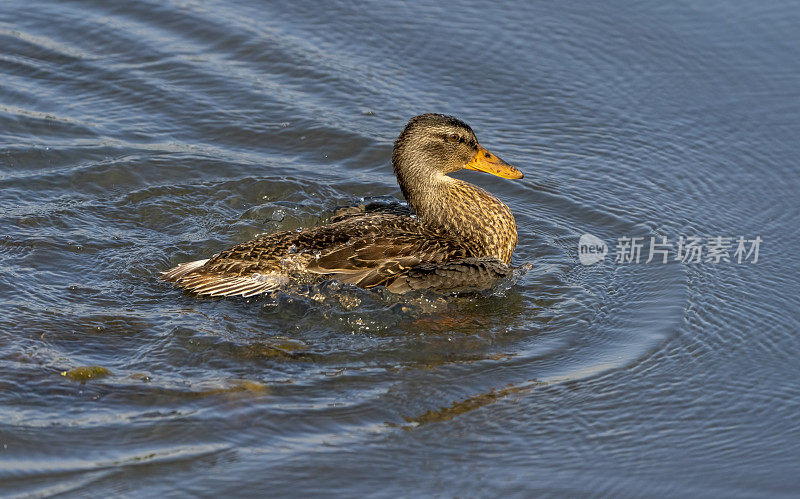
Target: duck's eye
x,y
453,137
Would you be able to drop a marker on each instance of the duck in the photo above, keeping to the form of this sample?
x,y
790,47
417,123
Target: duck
x,y
451,236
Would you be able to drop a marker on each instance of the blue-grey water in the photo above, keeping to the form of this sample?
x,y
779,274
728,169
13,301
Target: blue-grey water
x,y
140,134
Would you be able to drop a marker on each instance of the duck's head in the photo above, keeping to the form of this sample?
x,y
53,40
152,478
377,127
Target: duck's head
x,y
430,147
433,145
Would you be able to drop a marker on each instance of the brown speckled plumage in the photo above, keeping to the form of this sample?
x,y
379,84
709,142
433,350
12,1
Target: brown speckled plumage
x,y
459,237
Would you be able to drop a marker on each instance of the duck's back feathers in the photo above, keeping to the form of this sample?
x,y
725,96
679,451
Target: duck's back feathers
x,y
392,208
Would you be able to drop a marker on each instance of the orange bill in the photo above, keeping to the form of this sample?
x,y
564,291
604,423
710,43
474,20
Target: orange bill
x,y
484,161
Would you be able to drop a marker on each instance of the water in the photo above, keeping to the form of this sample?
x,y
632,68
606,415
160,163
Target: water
x,y
137,135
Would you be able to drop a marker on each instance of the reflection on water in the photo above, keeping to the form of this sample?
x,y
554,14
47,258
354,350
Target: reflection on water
x,y
139,135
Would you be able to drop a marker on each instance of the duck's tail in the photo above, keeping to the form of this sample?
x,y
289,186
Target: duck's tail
x,y
191,277
175,273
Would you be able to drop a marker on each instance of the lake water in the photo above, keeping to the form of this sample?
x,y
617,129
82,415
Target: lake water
x,y
138,135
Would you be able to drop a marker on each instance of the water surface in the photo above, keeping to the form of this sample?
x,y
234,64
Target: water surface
x,y
137,135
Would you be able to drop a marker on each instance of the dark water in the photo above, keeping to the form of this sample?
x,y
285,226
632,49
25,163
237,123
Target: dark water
x,y
137,135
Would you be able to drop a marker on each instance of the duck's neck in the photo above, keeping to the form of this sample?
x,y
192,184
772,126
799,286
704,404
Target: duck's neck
x,y
480,221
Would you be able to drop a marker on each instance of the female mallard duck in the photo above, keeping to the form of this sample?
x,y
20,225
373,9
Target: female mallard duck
x,y
459,237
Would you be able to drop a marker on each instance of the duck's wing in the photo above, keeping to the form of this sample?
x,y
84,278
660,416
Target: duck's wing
x,y
403,256
467,274
378,257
